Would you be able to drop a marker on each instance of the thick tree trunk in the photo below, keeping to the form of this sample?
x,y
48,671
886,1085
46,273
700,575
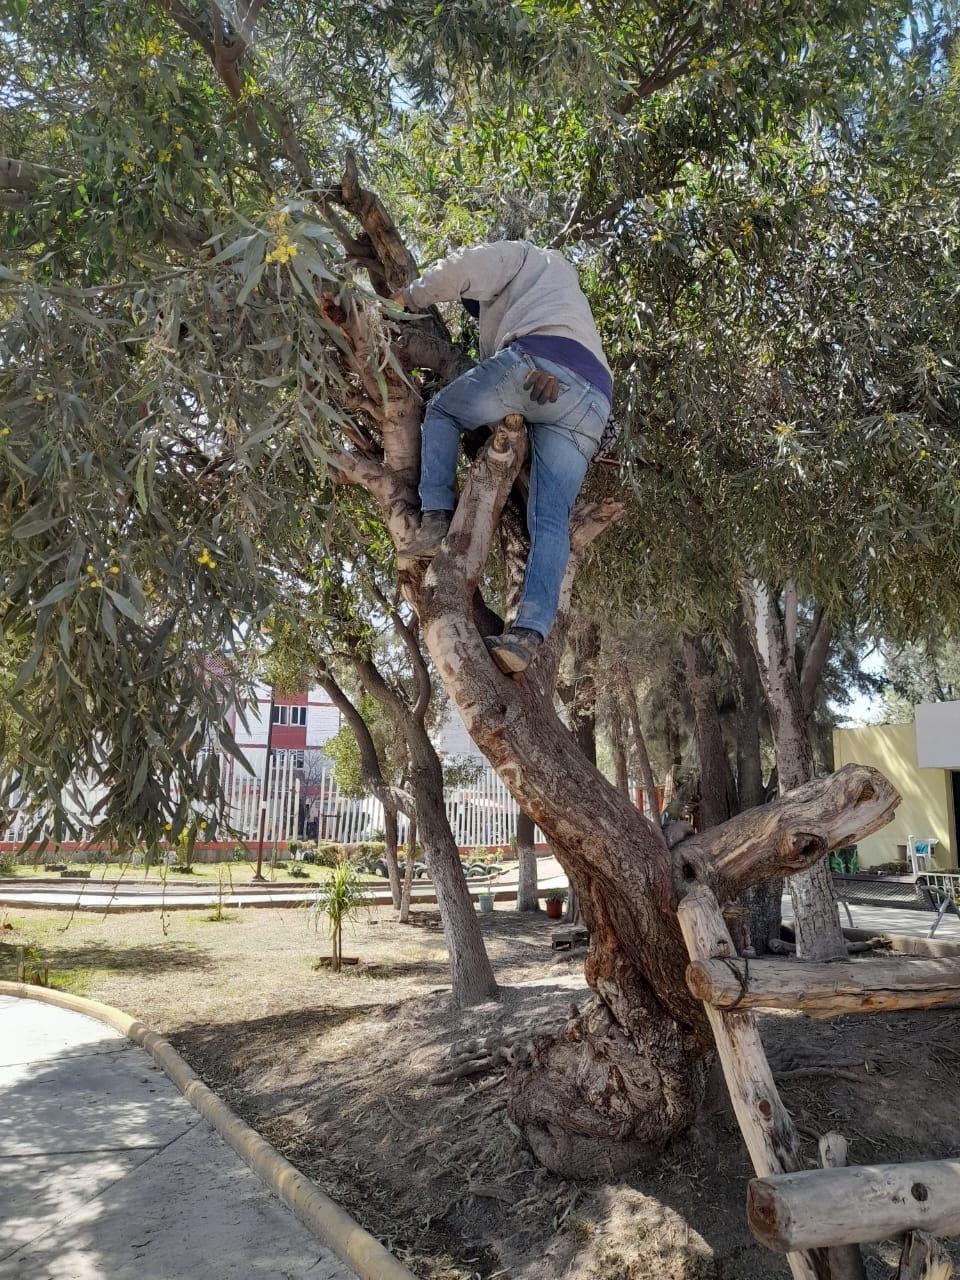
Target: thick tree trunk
x,y
582,711
527,858
406,892
816,919
640,748
390,841
761,903
628,1071
471,972
715,777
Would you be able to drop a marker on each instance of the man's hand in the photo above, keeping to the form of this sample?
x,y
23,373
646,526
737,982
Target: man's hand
x,y
543,387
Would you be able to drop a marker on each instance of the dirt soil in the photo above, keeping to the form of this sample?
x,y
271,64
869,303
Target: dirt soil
x,y
335,1069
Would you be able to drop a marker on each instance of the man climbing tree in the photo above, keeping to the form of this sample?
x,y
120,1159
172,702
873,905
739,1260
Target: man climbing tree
x,y
543,360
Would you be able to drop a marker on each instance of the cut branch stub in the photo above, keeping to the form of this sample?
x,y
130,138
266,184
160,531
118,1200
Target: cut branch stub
x,y
790,834
478,511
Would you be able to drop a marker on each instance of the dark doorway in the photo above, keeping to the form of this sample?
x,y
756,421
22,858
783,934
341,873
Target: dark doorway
x,y
955,833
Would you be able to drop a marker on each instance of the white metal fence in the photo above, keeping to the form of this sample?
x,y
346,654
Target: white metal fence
x,y
306,803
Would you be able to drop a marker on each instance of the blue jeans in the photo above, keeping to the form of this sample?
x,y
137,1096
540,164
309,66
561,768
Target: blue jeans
x,y
563,438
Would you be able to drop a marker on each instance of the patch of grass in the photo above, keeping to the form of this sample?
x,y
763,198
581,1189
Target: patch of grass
x,y
577,1228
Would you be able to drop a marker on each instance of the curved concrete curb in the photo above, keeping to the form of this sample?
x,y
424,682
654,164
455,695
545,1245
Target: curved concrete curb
x,y
331,1224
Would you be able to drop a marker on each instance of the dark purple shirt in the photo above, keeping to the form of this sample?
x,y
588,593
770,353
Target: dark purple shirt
x,y
572,355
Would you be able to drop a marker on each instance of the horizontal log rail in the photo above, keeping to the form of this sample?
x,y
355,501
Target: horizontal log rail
x,y
825,990
821,1208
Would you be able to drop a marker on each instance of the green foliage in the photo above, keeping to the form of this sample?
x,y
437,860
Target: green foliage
x,y
776,292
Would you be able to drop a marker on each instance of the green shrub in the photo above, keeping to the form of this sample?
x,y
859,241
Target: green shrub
x,y
325,853
365,855
8,864
299,873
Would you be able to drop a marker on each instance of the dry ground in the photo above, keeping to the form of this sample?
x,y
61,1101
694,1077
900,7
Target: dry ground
x,y
334,1071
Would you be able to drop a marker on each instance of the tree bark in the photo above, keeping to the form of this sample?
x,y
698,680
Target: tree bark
x,y
470,969
715,777
817,921
640,747
527,856
390,842
761,903
406,892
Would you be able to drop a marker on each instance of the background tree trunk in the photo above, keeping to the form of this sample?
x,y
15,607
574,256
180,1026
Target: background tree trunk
x,y
716,781
816,919
471,972
407,889
527,856
390,841
762,902
640,748
615,722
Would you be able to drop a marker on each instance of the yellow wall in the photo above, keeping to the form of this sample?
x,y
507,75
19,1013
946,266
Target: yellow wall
x,y
927,806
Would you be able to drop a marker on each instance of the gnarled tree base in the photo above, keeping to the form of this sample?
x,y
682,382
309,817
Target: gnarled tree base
x,y
595,1101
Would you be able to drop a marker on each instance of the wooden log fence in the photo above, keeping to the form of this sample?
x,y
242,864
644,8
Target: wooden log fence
x,y
854,1205
819,1218
826,990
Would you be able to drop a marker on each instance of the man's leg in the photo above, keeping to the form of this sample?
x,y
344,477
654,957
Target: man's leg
x,y
557,469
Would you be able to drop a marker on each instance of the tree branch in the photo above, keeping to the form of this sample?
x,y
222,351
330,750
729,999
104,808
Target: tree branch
x,y
787,835
478,511
369,759
815,659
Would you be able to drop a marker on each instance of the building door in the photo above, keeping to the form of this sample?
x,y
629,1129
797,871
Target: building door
x,y
955,833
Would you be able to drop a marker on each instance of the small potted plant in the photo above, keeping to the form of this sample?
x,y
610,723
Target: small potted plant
x,y
485,901
555,899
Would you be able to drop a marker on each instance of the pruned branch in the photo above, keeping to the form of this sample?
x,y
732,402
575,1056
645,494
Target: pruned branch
x,y
480,505
789,834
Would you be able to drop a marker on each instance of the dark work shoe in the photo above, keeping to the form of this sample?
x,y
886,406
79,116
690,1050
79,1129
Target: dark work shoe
x,y
425,543
515,649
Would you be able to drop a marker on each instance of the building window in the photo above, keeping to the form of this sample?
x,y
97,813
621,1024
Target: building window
x,y
285,714
283,759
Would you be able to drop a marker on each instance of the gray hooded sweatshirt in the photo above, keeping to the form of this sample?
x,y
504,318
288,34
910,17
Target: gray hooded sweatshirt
x,y
522,290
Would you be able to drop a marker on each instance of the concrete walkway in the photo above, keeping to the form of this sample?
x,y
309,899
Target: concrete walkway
x,y
893,920
89,895
108,1173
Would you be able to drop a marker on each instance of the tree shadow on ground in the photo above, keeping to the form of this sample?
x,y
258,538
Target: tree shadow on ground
x,y
148,958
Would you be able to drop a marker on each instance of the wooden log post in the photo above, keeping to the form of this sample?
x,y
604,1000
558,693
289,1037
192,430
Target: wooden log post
x,y
826,990
924,1258
820,1208
846,1260
764,1121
